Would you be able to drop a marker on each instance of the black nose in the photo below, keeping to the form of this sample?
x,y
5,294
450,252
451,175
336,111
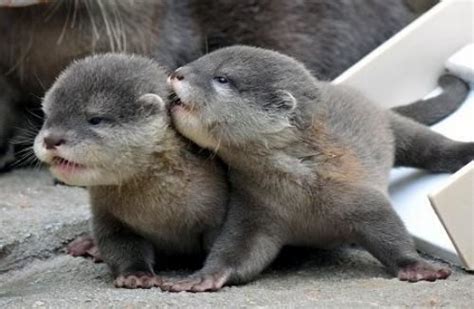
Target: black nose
x,y
177,74
53,141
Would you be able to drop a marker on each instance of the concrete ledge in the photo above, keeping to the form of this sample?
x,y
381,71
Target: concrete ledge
x,y
37,219
347,279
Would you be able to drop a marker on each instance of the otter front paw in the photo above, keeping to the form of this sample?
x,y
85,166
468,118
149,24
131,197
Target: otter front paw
x,y
199,282
138,280
420,270
84,246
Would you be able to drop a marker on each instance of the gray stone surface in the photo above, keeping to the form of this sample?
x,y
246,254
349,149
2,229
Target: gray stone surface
x,y
37,219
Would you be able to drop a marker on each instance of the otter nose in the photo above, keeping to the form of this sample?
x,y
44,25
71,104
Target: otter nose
x,y
53,141
177,75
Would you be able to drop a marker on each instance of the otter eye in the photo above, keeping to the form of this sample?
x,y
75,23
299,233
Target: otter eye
x,y
221,79
95,120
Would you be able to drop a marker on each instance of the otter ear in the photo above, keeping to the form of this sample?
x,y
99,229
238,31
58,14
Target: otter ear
x,y
284,101
151,103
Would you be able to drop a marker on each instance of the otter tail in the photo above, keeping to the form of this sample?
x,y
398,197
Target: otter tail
x,y
435,109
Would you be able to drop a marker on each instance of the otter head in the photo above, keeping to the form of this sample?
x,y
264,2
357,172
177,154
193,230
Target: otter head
x,y
238,95
104,120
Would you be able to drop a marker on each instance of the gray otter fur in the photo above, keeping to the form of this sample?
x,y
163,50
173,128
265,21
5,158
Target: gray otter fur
x,y
308,164
151,194
39,41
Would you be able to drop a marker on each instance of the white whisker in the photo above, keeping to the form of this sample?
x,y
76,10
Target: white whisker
x,y
108,28
63,31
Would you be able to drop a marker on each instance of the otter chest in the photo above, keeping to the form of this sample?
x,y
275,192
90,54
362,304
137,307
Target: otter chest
x,y
160,219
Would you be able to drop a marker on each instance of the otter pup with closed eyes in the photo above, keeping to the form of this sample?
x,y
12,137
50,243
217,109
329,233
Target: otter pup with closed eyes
x,y
308,164
107,128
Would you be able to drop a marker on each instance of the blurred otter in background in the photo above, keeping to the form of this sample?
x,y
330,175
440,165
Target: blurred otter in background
x,y
39,41
40,37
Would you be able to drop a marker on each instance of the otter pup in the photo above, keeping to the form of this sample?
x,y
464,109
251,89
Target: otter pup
x,y
308,164
107,128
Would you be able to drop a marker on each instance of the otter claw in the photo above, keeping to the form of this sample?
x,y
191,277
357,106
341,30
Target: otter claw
x,y
197,283
139,280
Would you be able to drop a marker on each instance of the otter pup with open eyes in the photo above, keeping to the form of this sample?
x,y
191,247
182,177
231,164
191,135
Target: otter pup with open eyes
x,y
107,128
308,163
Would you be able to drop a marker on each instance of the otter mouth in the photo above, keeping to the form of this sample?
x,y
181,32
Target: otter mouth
x,y
63,164
176,102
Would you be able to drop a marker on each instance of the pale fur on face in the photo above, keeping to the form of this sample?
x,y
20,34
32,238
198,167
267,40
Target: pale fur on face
x,y
187,118
125,93
118,158
250,106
